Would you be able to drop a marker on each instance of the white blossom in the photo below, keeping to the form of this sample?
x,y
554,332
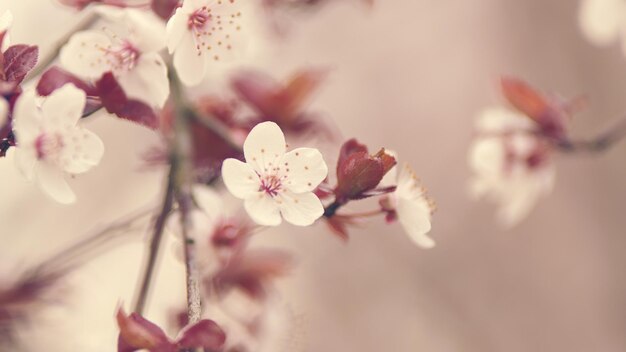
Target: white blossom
x,y
202,31
50,143
511,166
273,182
133,58
6,20
603,21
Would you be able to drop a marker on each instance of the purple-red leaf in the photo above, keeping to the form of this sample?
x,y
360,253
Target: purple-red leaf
x,y
56,77
138,333
18,61
164,8
116,102
204,334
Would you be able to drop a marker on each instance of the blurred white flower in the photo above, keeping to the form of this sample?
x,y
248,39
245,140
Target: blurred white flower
x,y
6,20
133,58
273,182
202,31
50,144
511,165
603,21
4,111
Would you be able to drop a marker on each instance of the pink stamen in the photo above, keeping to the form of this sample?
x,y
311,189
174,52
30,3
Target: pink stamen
x,y
271,185
48,145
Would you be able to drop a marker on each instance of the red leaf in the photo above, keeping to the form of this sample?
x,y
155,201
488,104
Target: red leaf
x,y
281,103
115,102
252,270
18,60
535,105
204,334
164,8
56,77
138,333
524,98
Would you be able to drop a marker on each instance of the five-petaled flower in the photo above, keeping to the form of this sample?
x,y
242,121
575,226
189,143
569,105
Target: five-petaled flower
x,y
274,182
201,31
133,59
512,165
410,204
50,144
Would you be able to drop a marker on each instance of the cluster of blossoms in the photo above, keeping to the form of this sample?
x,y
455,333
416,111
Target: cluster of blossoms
x,y
512,157
137,63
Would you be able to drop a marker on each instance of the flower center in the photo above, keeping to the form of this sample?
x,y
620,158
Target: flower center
x,y
48,146
123,57
199,18
271,185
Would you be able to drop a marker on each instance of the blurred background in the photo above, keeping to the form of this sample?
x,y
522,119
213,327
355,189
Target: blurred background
x,y
410,75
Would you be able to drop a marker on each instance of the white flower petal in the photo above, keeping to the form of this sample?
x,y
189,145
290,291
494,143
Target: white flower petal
x,y
176,28
300,209
264,145
52,182
602,21
147,31
4,112
499,119
263,209
189,62
26,118
147,81
25,159
240,178
304,168
84,54
413,208
486,156
82,151
64,107
415,217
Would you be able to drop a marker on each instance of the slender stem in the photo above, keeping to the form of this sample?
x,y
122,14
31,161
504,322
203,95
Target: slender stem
x,y
366,214
155,244
194,303
331,209
599,144
181,150
47,60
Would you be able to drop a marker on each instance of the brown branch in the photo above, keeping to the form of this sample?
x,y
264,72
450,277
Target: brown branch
x,y
155,244
181,163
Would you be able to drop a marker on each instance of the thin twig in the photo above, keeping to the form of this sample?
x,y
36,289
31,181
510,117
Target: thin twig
x,y
47,60
155,244
599,144
181,151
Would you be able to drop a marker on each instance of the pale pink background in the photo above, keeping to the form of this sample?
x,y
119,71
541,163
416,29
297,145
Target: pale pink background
x,y
409,75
